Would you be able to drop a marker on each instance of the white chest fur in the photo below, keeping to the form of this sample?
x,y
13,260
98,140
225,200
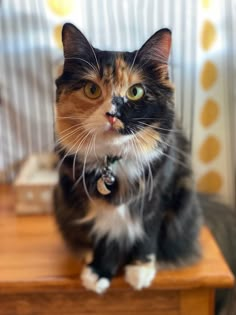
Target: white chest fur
x,y
114,222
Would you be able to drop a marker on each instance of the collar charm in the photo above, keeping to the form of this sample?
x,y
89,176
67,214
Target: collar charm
x,y
107,179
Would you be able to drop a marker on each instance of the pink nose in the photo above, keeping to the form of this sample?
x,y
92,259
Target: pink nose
x,y
111,119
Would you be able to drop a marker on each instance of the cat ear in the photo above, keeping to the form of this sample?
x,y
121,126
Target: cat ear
x,y
74,42
157,47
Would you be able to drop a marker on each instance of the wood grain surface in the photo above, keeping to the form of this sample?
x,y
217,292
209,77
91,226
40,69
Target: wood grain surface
x,y
82,302
32,251
39,276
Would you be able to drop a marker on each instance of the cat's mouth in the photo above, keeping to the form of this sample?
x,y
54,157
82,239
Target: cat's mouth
x,y
114,124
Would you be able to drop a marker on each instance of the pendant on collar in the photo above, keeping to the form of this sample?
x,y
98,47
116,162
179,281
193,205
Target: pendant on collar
x,y
107,179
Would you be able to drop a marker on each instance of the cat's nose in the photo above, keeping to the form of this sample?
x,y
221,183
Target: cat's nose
x,y
111,118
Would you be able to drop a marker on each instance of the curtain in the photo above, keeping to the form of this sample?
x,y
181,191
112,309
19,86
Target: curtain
x,y
202,66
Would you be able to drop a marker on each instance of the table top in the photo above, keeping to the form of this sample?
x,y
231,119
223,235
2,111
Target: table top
x,y
32,254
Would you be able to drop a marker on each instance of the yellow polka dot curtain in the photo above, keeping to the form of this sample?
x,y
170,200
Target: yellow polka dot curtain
x,y
203,68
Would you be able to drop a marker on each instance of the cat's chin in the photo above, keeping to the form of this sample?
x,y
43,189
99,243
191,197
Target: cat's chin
x,y
109,129
111,134
112,143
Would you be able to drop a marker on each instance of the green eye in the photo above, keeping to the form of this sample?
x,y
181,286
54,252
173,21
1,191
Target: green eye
x,y
92,90
135,92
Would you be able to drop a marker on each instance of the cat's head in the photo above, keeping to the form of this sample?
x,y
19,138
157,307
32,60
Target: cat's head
x,y
113,102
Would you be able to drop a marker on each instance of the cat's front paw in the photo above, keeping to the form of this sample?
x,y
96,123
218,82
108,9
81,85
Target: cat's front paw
x,y
141,275
91,281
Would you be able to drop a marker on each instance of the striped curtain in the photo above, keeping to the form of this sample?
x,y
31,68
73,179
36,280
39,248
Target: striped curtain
x,y
203,68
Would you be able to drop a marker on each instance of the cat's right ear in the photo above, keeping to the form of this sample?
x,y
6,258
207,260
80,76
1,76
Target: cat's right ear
x,y
74,42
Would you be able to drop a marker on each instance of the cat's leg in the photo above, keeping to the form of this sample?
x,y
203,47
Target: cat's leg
x,y
142,269
178,241
96,276
141,273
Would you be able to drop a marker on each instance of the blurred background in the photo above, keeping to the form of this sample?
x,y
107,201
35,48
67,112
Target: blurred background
x,y
202,65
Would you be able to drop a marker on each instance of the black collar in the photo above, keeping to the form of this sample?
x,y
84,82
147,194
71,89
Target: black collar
x,y
109,159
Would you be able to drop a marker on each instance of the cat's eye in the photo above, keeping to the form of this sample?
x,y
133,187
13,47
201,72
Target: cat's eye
x,y
135,92
92,90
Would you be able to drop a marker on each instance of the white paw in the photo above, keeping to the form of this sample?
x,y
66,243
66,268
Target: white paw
x,y
91,281
140,276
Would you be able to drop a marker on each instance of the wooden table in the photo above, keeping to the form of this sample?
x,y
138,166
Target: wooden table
x,y
38,276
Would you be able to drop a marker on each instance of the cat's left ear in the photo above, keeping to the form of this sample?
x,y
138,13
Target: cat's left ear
x,y
157,47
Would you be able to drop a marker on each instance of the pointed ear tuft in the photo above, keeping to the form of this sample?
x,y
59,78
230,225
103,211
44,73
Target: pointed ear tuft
x,y
157,47
74,42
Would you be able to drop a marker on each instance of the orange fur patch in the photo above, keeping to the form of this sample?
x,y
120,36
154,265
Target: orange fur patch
x,y
118,124
72,110
162,70
147,139
124,78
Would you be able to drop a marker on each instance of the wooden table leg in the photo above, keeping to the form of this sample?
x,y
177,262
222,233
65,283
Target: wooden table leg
x,y
197,301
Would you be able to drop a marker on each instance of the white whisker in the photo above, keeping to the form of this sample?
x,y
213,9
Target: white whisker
x,y
94,68
132,65
84,167
78,148
69,134
185,154
158,128
150,175
68,153
98,68
77,139
142,194
175,160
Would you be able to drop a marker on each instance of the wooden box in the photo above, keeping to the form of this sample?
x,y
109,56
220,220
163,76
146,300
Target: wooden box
x,y
35,183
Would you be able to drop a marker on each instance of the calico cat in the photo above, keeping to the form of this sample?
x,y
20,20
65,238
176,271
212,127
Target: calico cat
x,y
125,186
